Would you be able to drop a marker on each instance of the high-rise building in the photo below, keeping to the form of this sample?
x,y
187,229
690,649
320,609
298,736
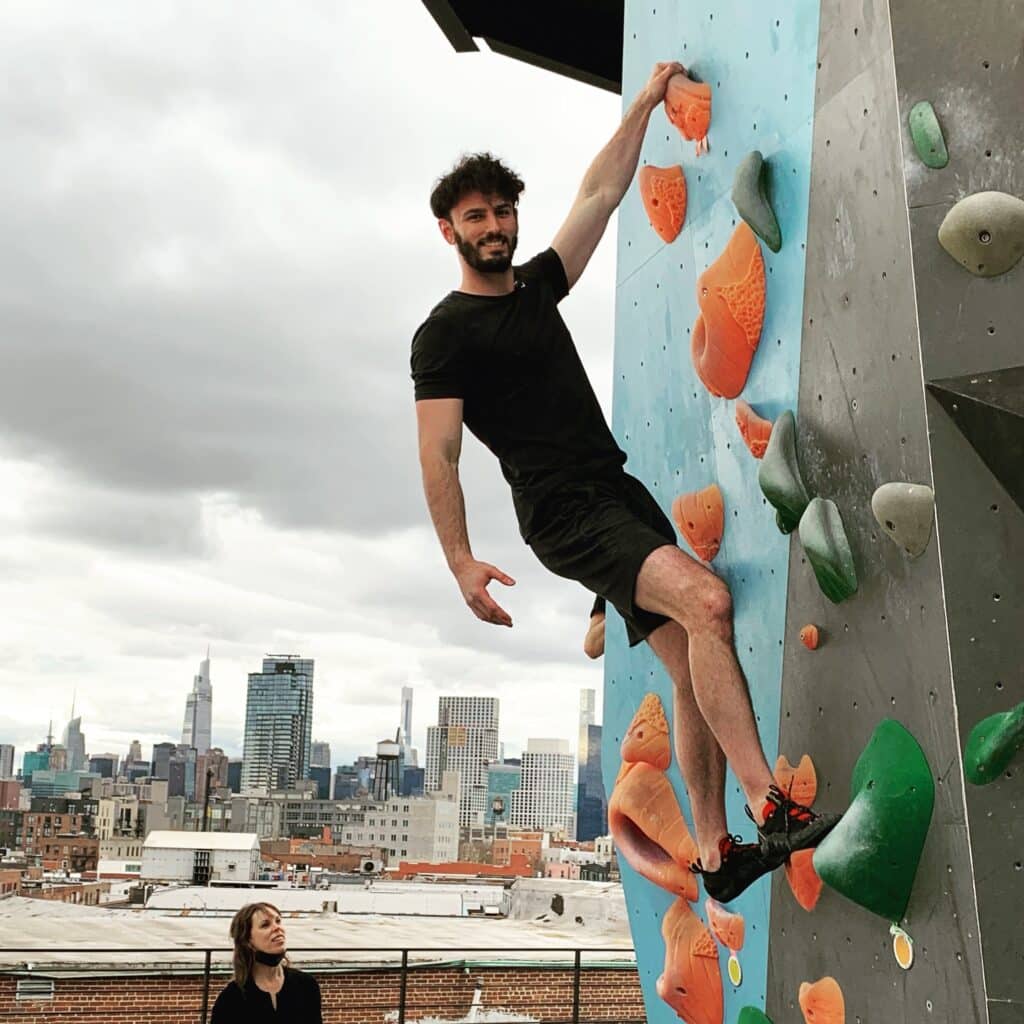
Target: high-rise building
x,y
214,761
181,772
591,804
6,760
74,742
465,740
544,799
278,724
161,761
104,765
235,774
196,731
502,781
320,754
34,761
409,755
135,751
588,703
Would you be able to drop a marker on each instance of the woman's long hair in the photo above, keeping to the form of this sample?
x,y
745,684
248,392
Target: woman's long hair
x,y
241,933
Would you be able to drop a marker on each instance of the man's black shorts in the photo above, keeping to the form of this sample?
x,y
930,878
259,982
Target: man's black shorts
x,y
599,533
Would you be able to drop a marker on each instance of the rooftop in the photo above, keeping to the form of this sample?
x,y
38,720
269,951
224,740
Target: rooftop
x,y
201,840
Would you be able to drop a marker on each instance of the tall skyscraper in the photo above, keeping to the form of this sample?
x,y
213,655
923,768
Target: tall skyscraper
x,y
320,754
409,754
544,798
588,702
591,804
6,760
161,760
74,743
278,724
197,730
135,751
465,740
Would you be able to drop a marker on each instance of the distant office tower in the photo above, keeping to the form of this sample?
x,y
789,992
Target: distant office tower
x,y
278,724
162,754
591,804
465,740
196,732
235,774
545,795
502,781
346,782
135,751
181,772
588,702
412,780
320,754
409,755
104,765
6,760
74,743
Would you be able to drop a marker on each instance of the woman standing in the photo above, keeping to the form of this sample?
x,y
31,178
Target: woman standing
x,y
265,987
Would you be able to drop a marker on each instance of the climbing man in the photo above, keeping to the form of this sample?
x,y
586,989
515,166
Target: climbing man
x,y
496,355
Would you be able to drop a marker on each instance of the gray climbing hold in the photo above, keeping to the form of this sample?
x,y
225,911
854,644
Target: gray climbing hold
x,y
750,197
926,133
985,232
905,512
827,549
779,474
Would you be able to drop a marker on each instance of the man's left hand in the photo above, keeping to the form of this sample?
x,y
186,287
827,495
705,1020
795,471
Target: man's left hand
x,y
654,91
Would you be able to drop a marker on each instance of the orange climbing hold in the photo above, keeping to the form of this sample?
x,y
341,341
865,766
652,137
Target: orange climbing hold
x,y
731,296
692,981
688,105
647,738
650,832
803,879
810,636
822,1002
728,927
663,191
700,518
799,783
754,429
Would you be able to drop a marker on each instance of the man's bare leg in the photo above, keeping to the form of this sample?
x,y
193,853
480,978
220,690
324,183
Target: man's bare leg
x,y
700,757
673,584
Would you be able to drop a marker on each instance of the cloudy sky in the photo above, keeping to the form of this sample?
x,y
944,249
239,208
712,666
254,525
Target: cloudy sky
x,y
217,245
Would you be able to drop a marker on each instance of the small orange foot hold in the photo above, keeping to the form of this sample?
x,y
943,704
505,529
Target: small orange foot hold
x,y
754,429
810,636
728,927
650,832
799,783
663,191
803,879
647,737
700,518
822,1002
688,105
731,296
692,981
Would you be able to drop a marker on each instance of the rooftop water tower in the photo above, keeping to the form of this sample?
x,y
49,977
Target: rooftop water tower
x,y
385,782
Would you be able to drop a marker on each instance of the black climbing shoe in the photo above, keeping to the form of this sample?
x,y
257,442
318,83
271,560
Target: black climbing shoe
x,y
742,865
789,826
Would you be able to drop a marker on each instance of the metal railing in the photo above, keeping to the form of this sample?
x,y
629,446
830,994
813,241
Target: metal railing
x,y
398,955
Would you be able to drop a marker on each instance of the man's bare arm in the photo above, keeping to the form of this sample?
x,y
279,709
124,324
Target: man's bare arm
x,y
440,433
608,177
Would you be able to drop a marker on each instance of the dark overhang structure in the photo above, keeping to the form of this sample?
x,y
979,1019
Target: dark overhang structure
x,y
581,39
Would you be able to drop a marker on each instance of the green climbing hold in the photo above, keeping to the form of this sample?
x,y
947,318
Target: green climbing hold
x,y
824,540
779,474
985,233
871,856
992,744
752,1015
926,132
750,197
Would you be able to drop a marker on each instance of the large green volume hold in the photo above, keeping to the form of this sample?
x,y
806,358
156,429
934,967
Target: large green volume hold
x,y
926,133
750,197
992,744
827,549
871,856
779,474
752,1015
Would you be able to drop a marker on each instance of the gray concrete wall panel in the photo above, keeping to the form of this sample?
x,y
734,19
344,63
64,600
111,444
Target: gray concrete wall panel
x,y
861,423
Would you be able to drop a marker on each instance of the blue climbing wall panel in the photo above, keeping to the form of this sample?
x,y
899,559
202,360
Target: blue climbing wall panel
x,y
760,61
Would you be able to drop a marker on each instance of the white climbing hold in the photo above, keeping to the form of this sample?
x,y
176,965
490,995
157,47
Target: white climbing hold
x,y
905,512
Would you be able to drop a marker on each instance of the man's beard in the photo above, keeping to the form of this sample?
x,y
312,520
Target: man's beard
x,y
477,258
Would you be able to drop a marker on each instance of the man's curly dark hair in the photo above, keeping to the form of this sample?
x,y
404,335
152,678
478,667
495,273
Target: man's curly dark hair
x,y
475,172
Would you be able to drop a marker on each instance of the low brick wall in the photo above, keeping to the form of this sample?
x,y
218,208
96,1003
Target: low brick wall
x,y
349,997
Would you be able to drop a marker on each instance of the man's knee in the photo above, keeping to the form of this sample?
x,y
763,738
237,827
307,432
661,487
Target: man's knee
x,y
714,607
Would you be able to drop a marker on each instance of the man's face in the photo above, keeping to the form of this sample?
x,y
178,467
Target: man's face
x,y
485,230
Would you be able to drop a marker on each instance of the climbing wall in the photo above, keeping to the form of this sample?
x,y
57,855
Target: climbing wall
x,y
864,311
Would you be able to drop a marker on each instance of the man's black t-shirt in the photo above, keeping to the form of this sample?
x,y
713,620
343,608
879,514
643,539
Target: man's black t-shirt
x,y
525,394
